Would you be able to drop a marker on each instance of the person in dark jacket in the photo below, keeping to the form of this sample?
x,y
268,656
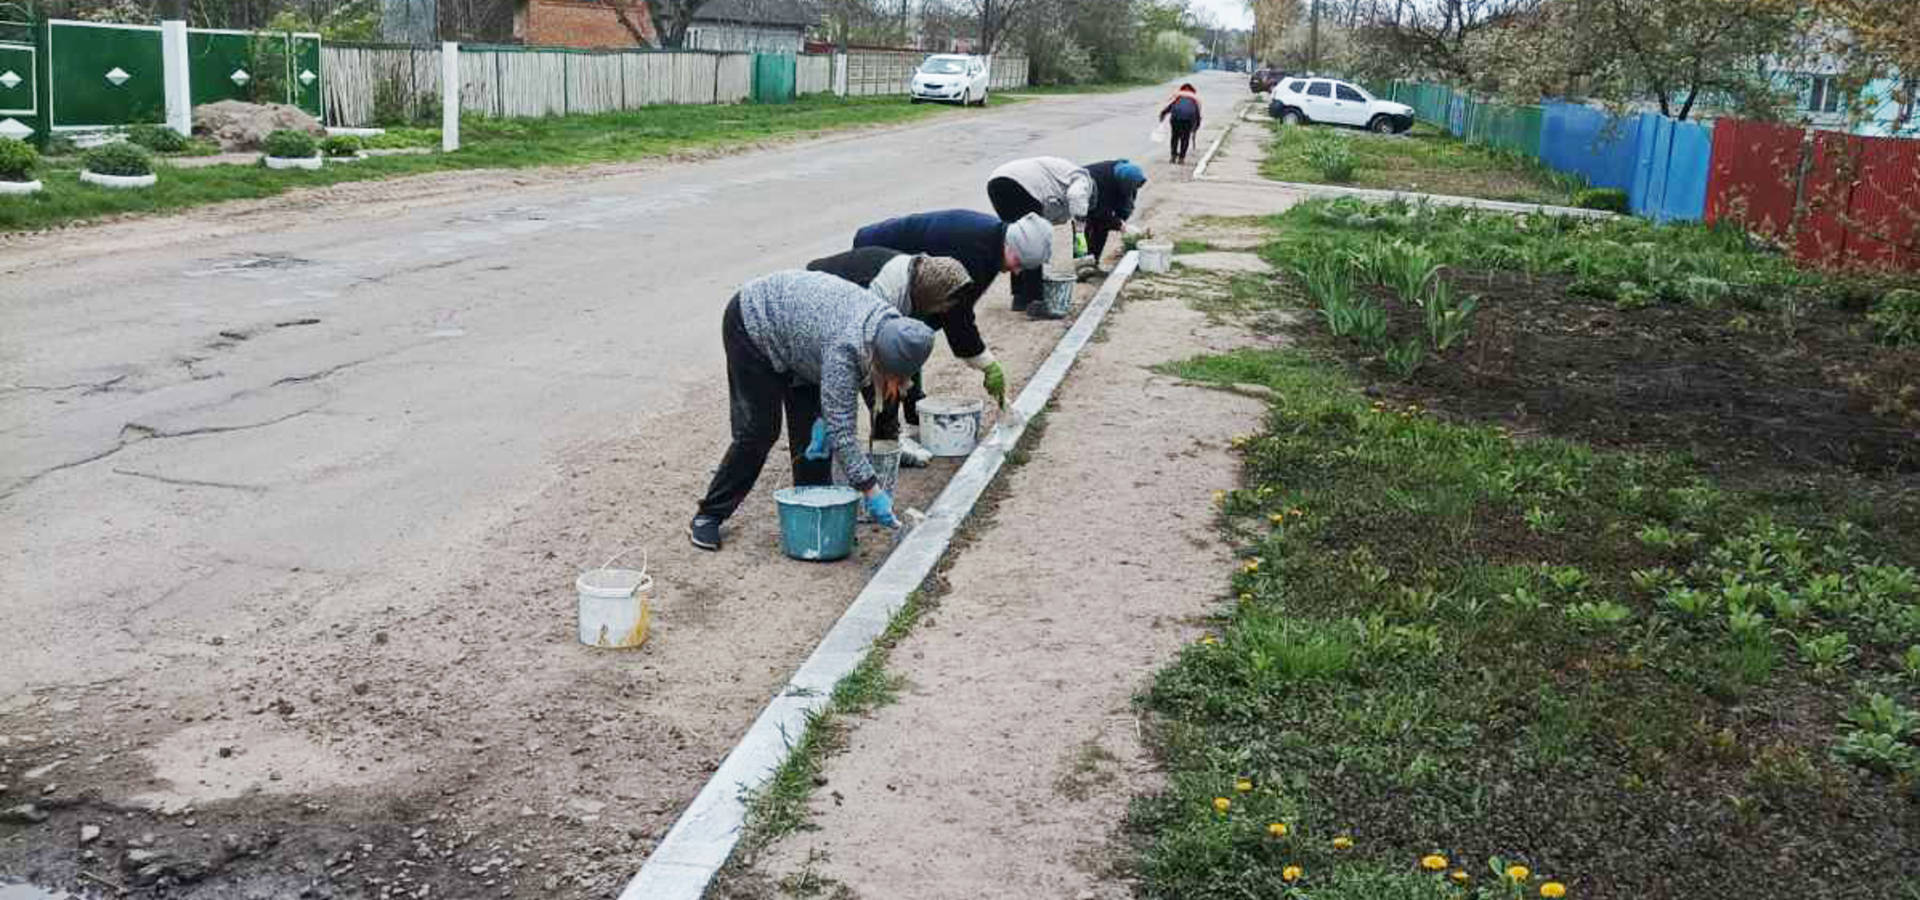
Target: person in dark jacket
x,y
986,247
1184,111
805,343
1119,182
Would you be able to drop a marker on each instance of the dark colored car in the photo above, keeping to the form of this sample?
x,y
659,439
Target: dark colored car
x,y
1264,79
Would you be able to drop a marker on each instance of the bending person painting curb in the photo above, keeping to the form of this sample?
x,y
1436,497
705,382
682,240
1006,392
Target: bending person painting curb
x,y
1054,188
808,342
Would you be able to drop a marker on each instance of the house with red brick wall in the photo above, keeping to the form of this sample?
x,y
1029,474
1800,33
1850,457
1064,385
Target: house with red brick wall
x,y
580,23
762,26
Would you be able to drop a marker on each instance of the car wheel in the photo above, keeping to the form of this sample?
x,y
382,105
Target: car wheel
x,y
983,99
966,97
1381,125
916,99
1292,117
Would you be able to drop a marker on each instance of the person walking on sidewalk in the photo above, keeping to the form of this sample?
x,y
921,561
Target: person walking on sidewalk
x,y
1059,190
917,285
1184,111
986,246
805,343
1118,183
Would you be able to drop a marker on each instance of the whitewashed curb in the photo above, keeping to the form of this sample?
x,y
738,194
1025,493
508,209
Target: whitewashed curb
x,y
119,182
334,160
19,188
310,163
693,851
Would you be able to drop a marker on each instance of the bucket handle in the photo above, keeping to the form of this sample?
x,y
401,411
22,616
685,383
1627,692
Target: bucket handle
x,y
643,558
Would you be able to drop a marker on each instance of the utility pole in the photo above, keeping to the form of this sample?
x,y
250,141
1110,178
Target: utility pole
x,y
1313,39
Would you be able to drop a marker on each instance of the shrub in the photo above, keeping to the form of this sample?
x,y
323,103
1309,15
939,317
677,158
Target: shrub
x,y
341,145
157,138
1609,199
1332,158
118,158
61,145
17,159
1896,318
289,144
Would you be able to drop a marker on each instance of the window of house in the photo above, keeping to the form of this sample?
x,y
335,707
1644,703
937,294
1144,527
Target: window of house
x,y
1824,96
1349,94
1319,89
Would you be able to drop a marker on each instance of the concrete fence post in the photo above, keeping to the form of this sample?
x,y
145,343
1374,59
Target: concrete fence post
x,y
449,96
174,79
840,74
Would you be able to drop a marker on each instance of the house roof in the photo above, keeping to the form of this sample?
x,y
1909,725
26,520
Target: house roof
x,y
794,13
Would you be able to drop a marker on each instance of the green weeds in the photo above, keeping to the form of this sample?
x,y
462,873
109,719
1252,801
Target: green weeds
x,y
1424,160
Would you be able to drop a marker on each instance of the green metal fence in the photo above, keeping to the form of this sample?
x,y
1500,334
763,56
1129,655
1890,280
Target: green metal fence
x,y
774,77
22,104
106,75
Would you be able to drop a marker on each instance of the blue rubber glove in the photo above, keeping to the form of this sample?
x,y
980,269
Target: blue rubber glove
x,y
880,507
819,448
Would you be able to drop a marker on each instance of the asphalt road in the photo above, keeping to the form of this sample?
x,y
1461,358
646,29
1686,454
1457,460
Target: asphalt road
x,y
235,445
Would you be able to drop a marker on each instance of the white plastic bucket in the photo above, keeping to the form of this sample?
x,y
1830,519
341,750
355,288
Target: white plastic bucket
x,y
950,427
884,456
616,607
1156,257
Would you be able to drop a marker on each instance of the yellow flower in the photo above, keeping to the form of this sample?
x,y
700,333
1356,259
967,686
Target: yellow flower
x,y
1290,873
1553,889
1246,598
1343,843
1277,829
1460,876
1252,565
1222,804
1243,785
1209,640
1519,873
1219,496
1433,862
1277,518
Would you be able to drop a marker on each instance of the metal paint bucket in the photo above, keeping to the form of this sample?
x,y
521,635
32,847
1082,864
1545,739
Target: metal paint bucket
x,y
884,456
1057,299
949,426
616,606
1156,257
816,523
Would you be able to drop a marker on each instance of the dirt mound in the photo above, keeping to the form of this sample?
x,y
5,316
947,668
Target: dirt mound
x,y
242,126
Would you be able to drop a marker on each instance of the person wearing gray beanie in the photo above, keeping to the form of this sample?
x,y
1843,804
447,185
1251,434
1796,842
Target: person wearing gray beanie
x,y
805,343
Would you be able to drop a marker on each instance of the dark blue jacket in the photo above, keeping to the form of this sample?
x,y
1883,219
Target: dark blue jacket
x,y
976,239
1113,201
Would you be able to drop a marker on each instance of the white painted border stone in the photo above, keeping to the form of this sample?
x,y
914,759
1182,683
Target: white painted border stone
x,y
693,851
19,187
119,181
309,163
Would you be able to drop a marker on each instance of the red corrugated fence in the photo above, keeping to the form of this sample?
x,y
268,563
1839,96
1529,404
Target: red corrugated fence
x,y
1836,199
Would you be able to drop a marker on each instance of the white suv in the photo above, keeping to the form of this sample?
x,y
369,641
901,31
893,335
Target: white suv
x,y
1298,101
952,78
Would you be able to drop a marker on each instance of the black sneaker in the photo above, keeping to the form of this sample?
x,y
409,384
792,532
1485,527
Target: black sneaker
x,y
1019,305
704,532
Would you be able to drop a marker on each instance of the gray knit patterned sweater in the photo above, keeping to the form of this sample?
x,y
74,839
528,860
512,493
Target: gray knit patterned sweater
x,y
819,328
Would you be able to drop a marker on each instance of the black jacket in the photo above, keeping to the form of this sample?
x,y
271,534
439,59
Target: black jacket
x,y
976,239
1114,201
858,266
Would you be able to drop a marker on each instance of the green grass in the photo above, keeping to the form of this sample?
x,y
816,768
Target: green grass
x,y
486,144
1445,639
1423,160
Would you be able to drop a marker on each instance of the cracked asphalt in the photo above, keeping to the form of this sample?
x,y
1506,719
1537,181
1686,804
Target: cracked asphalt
x,y
292,496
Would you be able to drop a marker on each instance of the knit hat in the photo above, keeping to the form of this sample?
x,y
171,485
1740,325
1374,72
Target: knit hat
x,y
936,279
1032,240
902,345
1127,172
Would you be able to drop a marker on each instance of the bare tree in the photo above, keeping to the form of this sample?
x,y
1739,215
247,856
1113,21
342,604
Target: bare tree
x,y
671,19
1437,36
995,17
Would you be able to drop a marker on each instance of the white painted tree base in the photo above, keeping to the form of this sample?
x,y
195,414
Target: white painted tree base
x,y
19,187
309,163
333,160
119,182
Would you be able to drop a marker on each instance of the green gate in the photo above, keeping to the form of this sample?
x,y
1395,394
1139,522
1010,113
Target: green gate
x,y
255,67
20,82
773,77
101,76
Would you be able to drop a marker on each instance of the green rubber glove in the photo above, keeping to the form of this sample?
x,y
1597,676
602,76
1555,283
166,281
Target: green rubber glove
x,y
1079,244
996,383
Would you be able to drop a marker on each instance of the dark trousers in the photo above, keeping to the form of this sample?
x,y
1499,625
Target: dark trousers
x,y
886,419
1097,230
1011,202
1183,130
757,393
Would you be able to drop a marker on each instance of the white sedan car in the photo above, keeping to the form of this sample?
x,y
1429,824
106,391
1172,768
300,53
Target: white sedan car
x,y
1298,101
951,78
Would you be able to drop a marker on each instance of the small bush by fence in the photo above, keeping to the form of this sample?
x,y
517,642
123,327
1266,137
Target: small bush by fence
x,y
1832,198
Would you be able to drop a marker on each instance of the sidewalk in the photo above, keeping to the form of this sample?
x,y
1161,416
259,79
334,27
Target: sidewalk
x,y
1007,766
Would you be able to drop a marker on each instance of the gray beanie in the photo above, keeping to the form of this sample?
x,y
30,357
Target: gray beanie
x,y
902,345
1032,240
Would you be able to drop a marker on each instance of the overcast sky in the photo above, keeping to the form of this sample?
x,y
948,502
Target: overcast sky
x,y
1231,13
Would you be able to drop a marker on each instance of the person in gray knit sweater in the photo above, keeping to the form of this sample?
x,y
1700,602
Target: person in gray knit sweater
x,y
805,343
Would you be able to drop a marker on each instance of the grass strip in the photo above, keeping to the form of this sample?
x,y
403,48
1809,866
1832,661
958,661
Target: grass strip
x,y
1423,160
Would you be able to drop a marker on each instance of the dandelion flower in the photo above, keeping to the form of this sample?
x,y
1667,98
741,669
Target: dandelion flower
x,y
1209,640
1277,518
1277,829
1519,873
1552,890
1434,862
1246,598
1252,566
1243,785
1222,804
1343,843
1219,496
1460,876
1290,873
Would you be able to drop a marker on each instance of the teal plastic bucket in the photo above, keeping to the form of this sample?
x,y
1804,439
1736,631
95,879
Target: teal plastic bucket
x,y
816,523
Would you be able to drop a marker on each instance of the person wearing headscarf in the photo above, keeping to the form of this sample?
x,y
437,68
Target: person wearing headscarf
x,y
1184,112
